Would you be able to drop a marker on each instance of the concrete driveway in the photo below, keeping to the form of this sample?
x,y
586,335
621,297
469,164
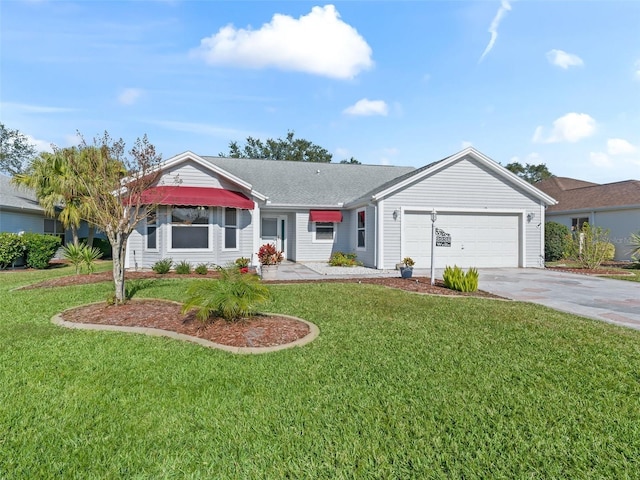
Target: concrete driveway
x,y
613,301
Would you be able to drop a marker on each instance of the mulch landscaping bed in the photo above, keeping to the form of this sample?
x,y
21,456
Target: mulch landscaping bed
x,y
258,331
607,268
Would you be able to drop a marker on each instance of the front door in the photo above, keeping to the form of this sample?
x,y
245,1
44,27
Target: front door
x,y
274,230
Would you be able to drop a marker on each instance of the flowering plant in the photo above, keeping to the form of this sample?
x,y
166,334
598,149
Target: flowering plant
x,y
269,255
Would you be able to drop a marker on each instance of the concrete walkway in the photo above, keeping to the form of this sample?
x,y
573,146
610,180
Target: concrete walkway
x,y
613,301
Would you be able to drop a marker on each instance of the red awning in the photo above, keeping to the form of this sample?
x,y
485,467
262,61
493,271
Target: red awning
x,y
198,196
333,216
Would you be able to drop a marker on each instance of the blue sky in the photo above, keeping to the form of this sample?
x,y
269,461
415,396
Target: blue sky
x,y
400,83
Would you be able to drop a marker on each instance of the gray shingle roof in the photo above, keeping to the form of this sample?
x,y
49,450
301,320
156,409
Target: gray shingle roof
x,y
308,183
17,197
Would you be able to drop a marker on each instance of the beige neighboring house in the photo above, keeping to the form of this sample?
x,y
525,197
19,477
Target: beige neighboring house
x,y
612,206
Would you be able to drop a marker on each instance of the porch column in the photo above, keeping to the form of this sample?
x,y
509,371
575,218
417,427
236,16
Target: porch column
x,y
255,220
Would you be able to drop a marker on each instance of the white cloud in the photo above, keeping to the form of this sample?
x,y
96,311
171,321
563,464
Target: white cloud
x,y
619,146
466,144
563,59
493,28
637,69
319,43
129,96
600,159
366,107
570,128
41,145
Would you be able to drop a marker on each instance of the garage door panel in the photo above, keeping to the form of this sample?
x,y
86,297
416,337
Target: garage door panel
x,y
477,240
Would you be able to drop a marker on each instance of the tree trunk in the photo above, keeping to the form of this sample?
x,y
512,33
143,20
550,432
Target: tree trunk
x,y
90,235
119,246
74,235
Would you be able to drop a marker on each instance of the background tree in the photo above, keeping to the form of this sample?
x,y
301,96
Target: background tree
x,y
297,150
351,161
530,173
114,182
15,150
58,190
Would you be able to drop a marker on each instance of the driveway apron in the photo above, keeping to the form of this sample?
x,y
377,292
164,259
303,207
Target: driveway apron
x,y
613,301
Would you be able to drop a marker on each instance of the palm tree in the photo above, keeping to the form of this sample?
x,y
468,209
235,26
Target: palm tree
x,y
57,188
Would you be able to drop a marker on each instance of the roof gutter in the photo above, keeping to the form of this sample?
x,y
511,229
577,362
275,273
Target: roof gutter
x,y
596,209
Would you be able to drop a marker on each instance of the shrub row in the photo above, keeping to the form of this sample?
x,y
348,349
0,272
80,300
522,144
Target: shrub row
x,y
342,259
183,267
37,249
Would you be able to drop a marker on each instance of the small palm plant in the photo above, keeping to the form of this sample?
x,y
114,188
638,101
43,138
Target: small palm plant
x,y
233,296
89,257
73,253
81,255
635,247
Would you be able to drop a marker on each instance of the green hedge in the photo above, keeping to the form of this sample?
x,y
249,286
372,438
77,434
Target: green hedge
x,y
11,249
40,249
557,238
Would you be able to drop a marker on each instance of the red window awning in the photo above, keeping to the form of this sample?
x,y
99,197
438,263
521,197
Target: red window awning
x,y
197,196
334,216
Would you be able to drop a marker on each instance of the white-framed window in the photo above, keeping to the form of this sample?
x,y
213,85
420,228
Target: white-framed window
x,y
324,232
230,228
152,230
190,228
361,230
54,227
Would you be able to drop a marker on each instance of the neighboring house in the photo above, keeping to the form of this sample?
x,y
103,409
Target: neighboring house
x,y
21,212
612,206
214,210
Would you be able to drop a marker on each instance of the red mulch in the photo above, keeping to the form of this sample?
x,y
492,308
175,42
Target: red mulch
x,y
258,331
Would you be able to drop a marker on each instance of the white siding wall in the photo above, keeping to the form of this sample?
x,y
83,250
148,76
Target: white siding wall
x,y
366,255
463,185
15,222
306,250
620,223
191,174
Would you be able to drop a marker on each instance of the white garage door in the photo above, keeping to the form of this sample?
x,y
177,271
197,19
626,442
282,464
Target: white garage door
x,y
477,240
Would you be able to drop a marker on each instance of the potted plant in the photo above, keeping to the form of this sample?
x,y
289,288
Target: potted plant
x,y
269,257
406,271
243,264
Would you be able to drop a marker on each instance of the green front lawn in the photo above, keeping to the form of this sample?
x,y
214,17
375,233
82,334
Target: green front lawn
x,y
398,385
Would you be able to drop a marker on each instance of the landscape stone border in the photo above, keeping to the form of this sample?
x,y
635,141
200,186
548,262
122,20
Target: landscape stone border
x,y
314,331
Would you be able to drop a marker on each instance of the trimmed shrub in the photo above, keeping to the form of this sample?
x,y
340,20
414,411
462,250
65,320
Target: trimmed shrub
x,y
232,297
557,238
183,267
40,248
455,279
11,249
341,259
162,266
201,269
